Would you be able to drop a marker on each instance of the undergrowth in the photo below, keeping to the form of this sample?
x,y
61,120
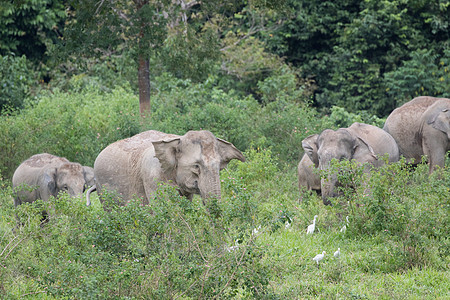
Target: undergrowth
x,y
252,243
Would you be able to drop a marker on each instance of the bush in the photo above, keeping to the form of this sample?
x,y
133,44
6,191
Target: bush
x,y
75,126
16,80
172,247
340,118
381,204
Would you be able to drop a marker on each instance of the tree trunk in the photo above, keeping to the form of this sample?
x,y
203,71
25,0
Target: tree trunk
x,y
144,86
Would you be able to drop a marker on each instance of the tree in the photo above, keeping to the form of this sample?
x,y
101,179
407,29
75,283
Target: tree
x,y
348,46
183,37
108,27
28,26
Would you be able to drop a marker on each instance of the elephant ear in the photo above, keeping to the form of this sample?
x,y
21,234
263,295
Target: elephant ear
x,y
361,149
48,184
310,146
166,153
441,121
88,174
227,152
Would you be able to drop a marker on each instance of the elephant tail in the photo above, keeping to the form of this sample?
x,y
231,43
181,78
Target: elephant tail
x,y
88,194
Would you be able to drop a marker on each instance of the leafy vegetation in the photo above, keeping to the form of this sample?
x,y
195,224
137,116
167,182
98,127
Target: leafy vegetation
x,y
238,247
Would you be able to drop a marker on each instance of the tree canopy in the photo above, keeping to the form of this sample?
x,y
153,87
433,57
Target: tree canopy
x,y
362,56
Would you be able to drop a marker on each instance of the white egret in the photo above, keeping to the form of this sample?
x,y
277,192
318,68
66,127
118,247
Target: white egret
x,y
311,227
344,228
319,257
256,230
287,225
337,253
235,247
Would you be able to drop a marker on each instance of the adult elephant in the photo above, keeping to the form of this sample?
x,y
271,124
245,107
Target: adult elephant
x,y
361,142
44,175
308,177
133,167
422,127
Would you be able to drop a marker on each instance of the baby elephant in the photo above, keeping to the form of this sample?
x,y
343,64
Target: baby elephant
x,y
44,175
308,175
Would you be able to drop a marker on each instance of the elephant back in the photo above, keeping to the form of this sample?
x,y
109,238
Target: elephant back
x,y
29,170
404,125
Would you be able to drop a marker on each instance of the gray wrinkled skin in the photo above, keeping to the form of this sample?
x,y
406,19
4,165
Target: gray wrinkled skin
x,y
361,142
422,127
45,175
308,177
133,167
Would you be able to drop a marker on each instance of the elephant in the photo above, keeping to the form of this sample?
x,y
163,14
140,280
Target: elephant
x,y
133,167
422,127
361,142
308,177
44,175
89,177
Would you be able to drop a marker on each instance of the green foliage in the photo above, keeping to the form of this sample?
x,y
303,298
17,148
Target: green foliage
x,y
16,80
403,206
171,247
75,126
340,118
191,55
425,73
77,74
348,47
29,27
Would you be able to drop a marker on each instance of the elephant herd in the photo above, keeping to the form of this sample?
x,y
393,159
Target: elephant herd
x,y
133,167
418,127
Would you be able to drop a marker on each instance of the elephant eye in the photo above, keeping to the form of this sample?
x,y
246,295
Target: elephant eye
x,y
196,169
65,188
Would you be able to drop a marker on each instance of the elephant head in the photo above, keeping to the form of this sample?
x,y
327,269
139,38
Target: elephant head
x,y
68,177
440,120
340,144
45,175
194,160
436,134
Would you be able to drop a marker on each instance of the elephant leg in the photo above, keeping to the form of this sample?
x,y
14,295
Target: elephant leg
x,y
437,158
435,155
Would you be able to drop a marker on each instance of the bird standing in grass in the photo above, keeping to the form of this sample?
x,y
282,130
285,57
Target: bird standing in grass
x,y
344,228
319,257
287,225
337,253
311,227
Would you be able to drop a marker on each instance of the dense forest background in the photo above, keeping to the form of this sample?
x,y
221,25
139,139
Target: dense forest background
x,y
360,55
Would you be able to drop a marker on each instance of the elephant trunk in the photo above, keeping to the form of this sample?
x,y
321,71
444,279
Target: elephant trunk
x,y
210,186
88,194
328,184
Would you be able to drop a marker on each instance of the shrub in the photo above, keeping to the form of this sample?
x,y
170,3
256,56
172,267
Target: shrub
x,y
172,247
76,126
340,118
379,203
16,78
